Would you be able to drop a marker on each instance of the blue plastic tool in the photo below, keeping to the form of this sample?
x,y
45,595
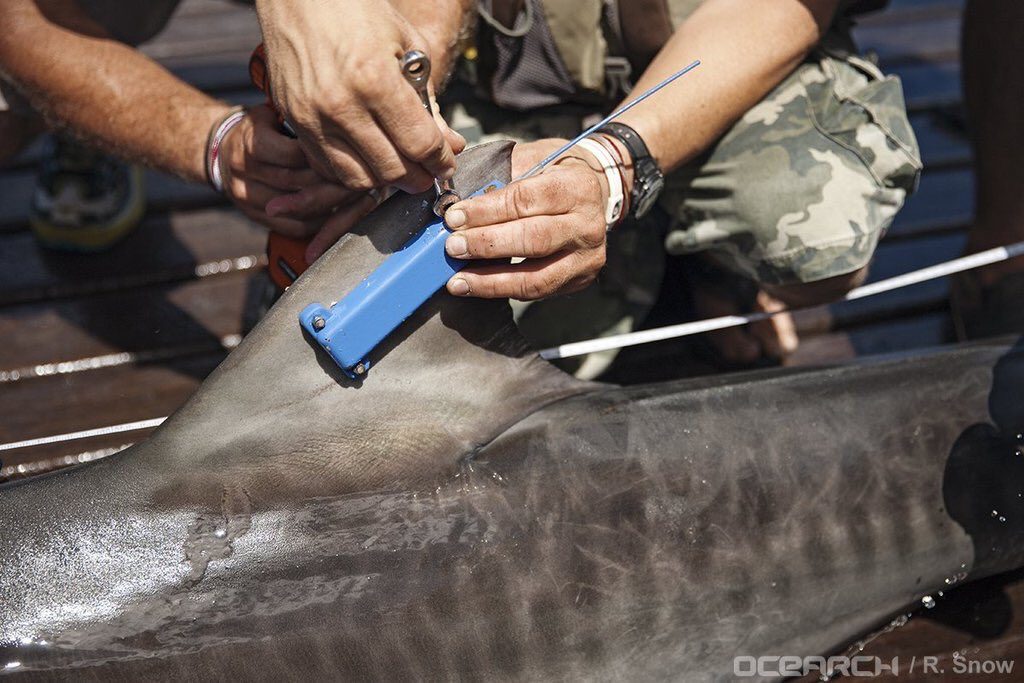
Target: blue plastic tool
x,y
352,328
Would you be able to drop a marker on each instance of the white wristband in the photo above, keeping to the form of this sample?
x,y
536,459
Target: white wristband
x,y
616,192
213,146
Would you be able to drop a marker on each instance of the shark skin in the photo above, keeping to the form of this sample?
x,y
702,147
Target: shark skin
x,y
468,511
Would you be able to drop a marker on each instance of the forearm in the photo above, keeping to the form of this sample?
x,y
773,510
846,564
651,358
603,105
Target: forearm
x,y
104,91
746,49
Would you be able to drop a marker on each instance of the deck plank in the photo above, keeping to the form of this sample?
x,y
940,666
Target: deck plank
x,y
163,321
80,401
180,246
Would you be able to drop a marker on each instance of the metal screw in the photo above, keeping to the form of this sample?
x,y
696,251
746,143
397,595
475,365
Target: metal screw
x,y
360,369
319,323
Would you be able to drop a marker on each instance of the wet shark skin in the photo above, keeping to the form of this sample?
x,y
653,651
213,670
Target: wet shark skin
x,y
558,531
599,538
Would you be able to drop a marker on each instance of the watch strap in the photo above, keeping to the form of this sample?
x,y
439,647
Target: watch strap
x,y
647,177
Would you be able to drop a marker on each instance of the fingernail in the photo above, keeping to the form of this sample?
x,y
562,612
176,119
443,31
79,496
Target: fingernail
x,y
460,136
455,218
457,247
458,287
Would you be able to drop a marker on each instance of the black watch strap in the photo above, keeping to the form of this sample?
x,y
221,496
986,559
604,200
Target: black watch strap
x,y
630,138
647,177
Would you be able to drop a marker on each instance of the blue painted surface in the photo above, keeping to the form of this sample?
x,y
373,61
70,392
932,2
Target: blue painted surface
x,y
359,322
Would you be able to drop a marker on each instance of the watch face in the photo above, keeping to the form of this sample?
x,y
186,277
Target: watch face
x,y
649,195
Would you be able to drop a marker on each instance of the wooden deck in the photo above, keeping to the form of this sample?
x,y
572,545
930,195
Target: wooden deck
x,y
128,335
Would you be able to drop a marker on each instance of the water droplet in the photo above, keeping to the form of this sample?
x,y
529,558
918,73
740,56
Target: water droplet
x,y
220,533
12,665
995,513
940,594
928,602
1002,519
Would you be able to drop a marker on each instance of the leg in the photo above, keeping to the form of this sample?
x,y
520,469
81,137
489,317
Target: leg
x,y
798,193
986,302
993,60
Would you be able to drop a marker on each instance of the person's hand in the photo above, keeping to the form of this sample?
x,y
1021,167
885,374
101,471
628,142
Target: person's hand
x,y
554,220
775,338
335,73
266,175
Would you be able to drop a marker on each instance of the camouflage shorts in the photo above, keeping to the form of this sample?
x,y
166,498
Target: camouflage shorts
x,y
800,189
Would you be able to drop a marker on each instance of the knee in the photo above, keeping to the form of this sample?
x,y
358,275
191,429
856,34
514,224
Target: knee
x,y
815,224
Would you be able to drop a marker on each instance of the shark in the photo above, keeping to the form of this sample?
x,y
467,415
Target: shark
x,y
469,511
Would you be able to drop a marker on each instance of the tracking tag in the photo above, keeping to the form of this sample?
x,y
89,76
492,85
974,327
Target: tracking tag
x,y
352,328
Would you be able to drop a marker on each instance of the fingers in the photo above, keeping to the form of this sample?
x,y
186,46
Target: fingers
x,y
280,178
266,143
285,226
528,238
777,335
454,138
337,225
413,131
311,202
346,164
544,195
391,167
530,280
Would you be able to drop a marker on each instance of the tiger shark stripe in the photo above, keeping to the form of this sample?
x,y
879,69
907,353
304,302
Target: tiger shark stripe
x,y
471,512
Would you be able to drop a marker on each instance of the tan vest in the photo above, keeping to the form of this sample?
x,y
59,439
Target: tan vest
x,y
544,52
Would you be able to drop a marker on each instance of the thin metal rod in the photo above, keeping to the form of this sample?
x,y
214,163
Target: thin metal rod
x,y
88,433
983,258
614,115
620,341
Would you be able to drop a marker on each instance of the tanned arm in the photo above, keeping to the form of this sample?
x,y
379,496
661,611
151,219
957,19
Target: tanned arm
x,y
105,91
553,220
746,48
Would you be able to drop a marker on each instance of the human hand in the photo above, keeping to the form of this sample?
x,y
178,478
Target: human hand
x,y
775,338
335,73
260,166
554,220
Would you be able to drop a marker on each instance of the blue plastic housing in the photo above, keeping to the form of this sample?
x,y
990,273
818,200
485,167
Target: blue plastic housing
x,y
352,328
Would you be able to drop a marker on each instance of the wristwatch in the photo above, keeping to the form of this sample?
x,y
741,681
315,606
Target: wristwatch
x,y
648,179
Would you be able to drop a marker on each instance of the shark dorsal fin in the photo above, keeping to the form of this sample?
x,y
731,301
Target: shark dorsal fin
x,y
280,415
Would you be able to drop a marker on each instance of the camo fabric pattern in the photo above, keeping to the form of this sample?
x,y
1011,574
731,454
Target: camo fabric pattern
x,y
804,185
800,189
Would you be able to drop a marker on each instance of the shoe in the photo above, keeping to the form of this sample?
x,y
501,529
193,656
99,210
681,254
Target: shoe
x,y
980,312
84,200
